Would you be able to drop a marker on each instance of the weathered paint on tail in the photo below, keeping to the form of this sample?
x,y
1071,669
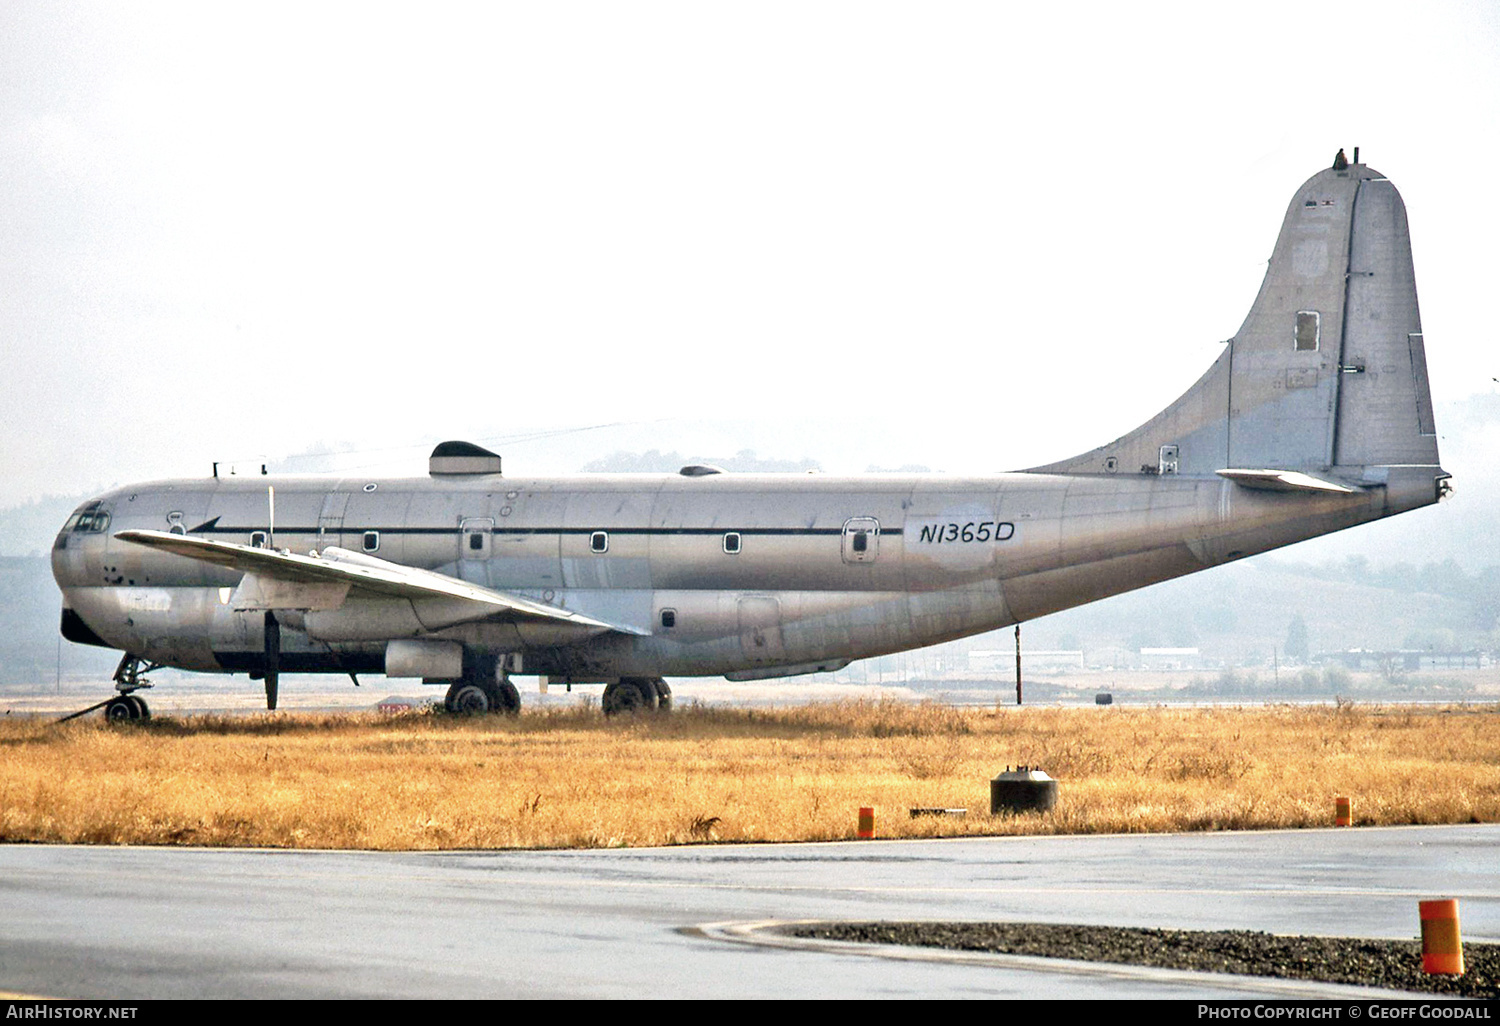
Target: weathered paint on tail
x,y
1327,376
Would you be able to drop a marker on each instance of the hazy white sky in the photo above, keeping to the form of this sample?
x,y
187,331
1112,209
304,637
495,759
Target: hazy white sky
x,y
971,236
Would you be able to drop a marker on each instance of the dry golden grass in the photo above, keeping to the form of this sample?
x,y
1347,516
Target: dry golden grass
x,y
569,778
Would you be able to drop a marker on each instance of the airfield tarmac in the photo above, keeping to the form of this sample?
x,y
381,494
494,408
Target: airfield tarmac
x,y
686,922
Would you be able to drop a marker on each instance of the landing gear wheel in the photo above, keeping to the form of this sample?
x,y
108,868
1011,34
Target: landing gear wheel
x,y
466,698
663,695
504,698
630,695
123,708
143,711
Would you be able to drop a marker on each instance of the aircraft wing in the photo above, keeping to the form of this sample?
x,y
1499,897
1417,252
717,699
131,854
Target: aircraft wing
x,y
282,579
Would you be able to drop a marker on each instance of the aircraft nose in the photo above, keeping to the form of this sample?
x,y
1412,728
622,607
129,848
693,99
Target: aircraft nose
x,y
82,535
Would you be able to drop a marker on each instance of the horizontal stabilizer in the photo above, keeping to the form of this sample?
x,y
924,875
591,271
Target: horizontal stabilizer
x,y
282,573
1285,481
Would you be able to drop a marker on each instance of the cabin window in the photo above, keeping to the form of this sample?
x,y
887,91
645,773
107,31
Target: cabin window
x,y
861,540
732,542
475,537
372,541
258,540
669,618
1309,330
599,541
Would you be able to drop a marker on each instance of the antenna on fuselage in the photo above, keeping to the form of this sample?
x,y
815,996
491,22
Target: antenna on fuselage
x,y
271,526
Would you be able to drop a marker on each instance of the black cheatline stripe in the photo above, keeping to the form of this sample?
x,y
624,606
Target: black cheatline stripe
x,y
896,531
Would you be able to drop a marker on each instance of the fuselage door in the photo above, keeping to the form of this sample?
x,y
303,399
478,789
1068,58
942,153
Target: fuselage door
x,y
760,629
331,519
861,540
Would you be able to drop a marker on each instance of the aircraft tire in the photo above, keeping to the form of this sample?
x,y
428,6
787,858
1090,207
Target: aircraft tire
x,y
143,711
466,698
663,695
629,695
121,709
504,698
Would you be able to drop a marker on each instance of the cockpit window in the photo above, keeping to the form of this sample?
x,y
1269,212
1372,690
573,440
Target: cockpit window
x,y
87,519
90,521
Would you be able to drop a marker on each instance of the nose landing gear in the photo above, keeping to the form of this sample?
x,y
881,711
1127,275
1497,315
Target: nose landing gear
x,y
130,677
126,707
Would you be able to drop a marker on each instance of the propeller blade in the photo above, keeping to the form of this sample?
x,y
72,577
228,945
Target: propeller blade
x,y
273,659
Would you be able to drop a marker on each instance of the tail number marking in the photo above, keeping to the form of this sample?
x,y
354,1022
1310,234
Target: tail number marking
x,y
952,533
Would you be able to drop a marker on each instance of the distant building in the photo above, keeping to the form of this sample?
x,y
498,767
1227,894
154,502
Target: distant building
x,y
1170,659
1408,660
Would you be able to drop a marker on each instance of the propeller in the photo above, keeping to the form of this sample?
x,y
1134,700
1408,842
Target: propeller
x,y
273,658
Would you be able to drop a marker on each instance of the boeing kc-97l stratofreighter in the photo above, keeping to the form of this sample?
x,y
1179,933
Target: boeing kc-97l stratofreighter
x,y
1315,417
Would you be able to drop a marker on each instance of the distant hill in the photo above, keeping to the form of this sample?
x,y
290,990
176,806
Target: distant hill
x,y
30,607
1237,614
28,530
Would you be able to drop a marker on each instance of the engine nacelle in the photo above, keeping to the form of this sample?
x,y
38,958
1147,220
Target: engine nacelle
x,y
433,660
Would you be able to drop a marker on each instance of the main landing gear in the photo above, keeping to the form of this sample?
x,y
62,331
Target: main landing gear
x,y
636,694
481,692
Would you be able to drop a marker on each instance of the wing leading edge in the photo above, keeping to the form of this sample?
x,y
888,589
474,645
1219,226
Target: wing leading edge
x,y
284,580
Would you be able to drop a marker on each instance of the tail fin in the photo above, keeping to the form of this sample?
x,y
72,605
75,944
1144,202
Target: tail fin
x,y
1327,377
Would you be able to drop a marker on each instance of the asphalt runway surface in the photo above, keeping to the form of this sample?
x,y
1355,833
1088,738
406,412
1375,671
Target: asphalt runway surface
x,y
691,922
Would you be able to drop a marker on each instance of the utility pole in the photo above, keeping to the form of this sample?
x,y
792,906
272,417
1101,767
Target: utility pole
x,y
1018,664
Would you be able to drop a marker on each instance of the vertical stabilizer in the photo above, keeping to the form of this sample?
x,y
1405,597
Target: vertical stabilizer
x,y
1327,376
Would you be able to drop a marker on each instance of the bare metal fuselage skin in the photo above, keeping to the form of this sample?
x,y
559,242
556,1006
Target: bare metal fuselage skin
x,y
951,558
1316,417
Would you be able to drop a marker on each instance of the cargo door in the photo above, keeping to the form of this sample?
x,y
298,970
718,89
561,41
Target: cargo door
x,y
760,630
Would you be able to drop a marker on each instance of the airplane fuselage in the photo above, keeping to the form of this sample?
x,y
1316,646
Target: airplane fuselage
x,y
746,575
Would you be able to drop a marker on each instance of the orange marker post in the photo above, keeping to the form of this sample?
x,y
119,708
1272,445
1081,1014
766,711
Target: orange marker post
x,y
1442,948
866,824
1341,811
